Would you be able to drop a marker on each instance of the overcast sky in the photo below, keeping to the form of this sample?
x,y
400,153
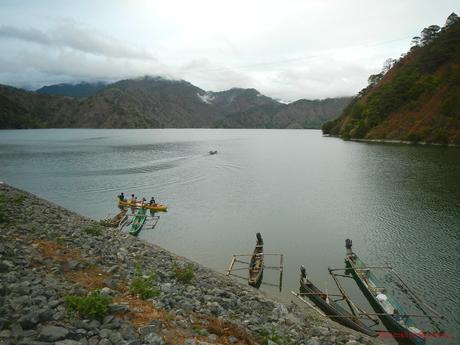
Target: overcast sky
x,y
286,49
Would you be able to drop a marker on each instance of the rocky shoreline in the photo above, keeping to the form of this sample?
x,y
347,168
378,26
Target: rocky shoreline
x,y
48,253
392,141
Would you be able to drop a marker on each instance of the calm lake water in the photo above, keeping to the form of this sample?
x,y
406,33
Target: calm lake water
x,y
305,194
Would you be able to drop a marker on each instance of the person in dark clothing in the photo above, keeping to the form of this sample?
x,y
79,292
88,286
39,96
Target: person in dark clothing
x,y
152,201
121,197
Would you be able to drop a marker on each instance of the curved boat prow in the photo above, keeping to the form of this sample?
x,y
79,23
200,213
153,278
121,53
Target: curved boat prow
x,y
348,245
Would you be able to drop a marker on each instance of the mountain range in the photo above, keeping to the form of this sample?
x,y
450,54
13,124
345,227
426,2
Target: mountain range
x,y
155,102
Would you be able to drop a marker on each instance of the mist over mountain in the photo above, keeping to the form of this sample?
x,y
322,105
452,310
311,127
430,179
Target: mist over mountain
x,y
155,102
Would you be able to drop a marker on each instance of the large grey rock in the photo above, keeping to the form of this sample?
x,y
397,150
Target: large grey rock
x,y
118,308
232,339
45,314
153,339
115,338
29,320
352,342
53,333
313,341
108,292
67,342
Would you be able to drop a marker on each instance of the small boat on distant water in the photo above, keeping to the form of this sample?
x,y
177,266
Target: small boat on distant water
x,y
388,310
212,152
332,309
256,265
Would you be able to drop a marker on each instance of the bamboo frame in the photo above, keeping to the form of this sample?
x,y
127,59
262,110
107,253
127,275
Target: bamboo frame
x,y
235,260
418,299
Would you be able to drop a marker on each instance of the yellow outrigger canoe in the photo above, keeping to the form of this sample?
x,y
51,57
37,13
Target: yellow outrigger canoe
x,y
153,207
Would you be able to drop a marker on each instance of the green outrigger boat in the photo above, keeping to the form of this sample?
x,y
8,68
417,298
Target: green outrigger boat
x,y
138,221
392,314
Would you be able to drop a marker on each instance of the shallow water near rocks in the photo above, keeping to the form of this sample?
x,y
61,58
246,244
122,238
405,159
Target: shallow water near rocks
x,y
305,193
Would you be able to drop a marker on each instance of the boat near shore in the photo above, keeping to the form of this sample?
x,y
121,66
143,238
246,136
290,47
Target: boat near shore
x,y
152,207
330,307
256,265
390,312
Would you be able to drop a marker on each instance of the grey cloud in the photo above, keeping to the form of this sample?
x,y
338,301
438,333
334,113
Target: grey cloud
x,y
71,35
34,70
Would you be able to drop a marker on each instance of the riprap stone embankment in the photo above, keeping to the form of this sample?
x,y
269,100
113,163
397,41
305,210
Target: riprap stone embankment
x,y
48,253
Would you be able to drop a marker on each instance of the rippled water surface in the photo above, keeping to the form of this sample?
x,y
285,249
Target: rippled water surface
x,y
304,193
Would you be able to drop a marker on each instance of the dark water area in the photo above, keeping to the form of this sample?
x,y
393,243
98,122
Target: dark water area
x,y
305,193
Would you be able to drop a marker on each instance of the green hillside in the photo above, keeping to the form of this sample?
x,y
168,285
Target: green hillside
x,y
415,98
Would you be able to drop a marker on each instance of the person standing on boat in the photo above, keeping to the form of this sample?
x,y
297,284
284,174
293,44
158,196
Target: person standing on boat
x,y
143,201
121,197
133,199
152,201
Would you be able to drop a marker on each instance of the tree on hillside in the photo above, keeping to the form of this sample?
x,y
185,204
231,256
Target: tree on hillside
x,y
430,33
388,64
451,19
416,41
374,78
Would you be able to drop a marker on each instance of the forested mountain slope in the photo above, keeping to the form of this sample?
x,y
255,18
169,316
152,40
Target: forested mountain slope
x,y
416,98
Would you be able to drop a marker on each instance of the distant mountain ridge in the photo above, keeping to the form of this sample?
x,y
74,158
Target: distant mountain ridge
x,y
154,102
415,98
80,90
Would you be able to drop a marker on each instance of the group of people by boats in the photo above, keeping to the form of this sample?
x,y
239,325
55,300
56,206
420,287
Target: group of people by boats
x,y
133,200
135,203
139,215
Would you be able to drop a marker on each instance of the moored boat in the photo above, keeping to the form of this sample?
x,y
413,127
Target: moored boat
x,y
115,221
256,265
392,314
153,207
138,221
332,309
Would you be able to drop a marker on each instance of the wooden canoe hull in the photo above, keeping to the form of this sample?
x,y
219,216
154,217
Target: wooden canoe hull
x,y
332,308
407,337
138,222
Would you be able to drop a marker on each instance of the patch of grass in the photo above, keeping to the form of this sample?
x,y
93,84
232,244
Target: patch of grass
x,y
143,286
200,331
93,229
170,316
3,217
94,306
275,337
18,199
60,240
184,274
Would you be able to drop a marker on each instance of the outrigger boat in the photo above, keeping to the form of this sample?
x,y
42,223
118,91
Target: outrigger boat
x,y
153,207
330,307
256,266
138,221
386,307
